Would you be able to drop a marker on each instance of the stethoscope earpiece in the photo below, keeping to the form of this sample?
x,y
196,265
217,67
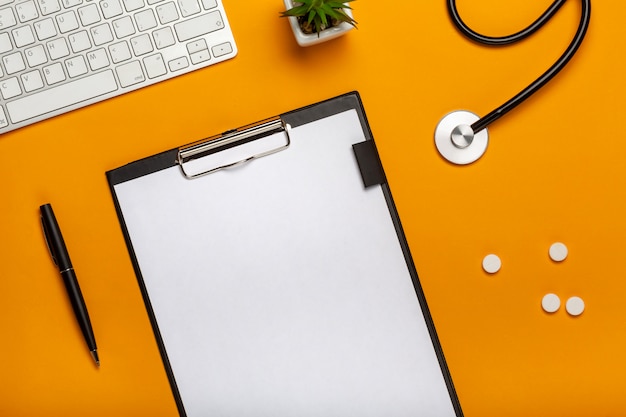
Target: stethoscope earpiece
x,y
456,141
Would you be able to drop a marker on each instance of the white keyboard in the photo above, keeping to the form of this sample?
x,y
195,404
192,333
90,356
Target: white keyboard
x,y
59,55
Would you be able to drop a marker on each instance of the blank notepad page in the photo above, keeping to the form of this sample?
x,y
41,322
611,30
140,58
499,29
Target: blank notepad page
x,y
280,288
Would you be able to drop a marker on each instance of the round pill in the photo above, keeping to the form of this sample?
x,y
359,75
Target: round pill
x,y
551,303
492,264
575,306
558,252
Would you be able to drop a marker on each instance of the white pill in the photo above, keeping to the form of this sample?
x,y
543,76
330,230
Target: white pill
x,y
558,252
492,264
575,306
551,303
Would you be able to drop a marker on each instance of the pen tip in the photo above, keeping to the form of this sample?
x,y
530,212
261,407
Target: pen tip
x,y
94,355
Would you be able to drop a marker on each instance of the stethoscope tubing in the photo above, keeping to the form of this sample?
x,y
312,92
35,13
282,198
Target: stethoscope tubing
x,y
532,88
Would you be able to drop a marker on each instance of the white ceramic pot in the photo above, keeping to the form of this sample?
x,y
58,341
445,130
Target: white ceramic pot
x,y
305,39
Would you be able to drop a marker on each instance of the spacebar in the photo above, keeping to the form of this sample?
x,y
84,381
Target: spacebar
x,y
57,98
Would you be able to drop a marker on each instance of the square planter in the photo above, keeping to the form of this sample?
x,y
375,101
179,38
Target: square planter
x,y
306,39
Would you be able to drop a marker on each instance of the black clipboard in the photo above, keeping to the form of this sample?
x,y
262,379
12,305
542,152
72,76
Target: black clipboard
x,y
277,276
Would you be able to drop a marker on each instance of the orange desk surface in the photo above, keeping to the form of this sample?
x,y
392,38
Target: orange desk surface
x,y
554,171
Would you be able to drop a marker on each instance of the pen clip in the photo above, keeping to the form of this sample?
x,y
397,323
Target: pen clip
x,y
45,236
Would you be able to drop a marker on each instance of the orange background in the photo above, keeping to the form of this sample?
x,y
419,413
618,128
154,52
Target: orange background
x,y
554,171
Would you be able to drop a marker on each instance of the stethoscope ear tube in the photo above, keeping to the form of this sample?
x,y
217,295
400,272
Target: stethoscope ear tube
x,y
482,123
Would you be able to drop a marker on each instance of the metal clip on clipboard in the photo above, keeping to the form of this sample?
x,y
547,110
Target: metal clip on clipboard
x,y
231,140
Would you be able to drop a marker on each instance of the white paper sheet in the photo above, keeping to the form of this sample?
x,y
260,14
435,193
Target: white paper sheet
x,y
280,288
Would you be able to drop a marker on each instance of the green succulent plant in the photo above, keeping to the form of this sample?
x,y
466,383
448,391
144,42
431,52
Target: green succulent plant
x,y
317,15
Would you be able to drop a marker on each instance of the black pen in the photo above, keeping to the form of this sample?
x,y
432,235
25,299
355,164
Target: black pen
x,y
61,258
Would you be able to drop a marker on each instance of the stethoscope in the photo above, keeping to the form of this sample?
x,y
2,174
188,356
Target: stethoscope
x,y
461,137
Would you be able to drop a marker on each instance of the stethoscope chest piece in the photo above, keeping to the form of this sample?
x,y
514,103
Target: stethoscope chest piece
x,y
456,141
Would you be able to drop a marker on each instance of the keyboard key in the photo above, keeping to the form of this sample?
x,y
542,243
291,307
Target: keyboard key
x,y
32,81
57,48
141,44
111,8
5,43
79,41
188,7
13,63
200,56
178,63
123,27
49,6
98,59
120,52
198,26
222,49
64,95
23,36
67,21
155,66
89,14
101,34
163,37
36,56
26,11
196,46
145,20
4,122
7,18
45,29
71,3
10,88
167,13
76,66
209,4
132,5
130,73
54,73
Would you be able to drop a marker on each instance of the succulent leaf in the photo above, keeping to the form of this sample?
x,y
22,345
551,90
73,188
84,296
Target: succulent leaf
x,y
323,17
321,13
296,11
